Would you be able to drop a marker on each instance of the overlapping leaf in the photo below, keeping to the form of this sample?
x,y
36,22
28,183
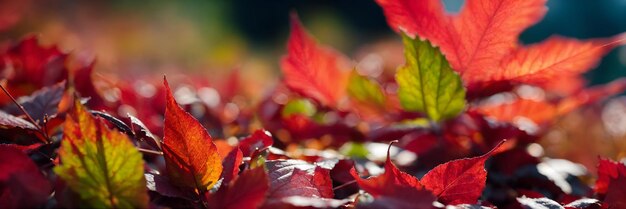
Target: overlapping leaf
x,y
315,71
426,82
40,103
459,181
481,42
297,179
388,182
21,183
100,164
456,182
247,191
190,155
608,170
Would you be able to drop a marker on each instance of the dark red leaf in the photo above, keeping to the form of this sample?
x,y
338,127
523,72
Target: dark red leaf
x,y
402,197
258,140
247,191
21,183
298,178
9,121
142,133
11,12
83,82
31,66
161,184
459,181
394,189
616,193
388,182
42,102
231,165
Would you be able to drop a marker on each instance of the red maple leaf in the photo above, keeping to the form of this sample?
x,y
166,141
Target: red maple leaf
x,y
315,71
456,182
481,42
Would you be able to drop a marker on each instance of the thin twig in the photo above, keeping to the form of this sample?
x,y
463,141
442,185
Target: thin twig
x,y
149,151
47,140
344,185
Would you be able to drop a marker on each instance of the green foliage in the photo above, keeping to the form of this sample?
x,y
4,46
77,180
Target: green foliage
x,y
299,106
365,90
427,83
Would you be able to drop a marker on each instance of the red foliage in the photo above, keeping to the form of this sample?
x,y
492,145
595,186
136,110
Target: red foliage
x,y
301,145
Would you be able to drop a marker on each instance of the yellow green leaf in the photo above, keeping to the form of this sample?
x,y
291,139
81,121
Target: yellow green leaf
x,y
427,83
365,90
101,165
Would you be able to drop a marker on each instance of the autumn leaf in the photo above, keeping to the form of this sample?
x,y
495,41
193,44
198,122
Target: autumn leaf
x,y
537,111
394,189
426,82
22,185
388,181
459,181
191,157
100,164
591,95
616,193
486,30
608,170
540,111
231,164
260,139
40,103
315,71
34,66
247,191
555,57
401,197
481,42
9,122
366,90
298,178
142,133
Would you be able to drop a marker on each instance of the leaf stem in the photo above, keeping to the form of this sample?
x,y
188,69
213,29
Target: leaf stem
x,y
148,151
39,129
344,185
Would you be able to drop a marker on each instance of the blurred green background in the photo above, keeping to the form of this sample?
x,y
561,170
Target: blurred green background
x,y
216,36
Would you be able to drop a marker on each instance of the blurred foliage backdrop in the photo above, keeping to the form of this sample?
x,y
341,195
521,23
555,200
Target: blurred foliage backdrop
x,y
199,35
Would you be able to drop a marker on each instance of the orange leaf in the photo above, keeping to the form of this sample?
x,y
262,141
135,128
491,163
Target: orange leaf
x,y
553,58
483,32
481,42
590,95
314,71
536,111
423,18
488,29
541,111
191,158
